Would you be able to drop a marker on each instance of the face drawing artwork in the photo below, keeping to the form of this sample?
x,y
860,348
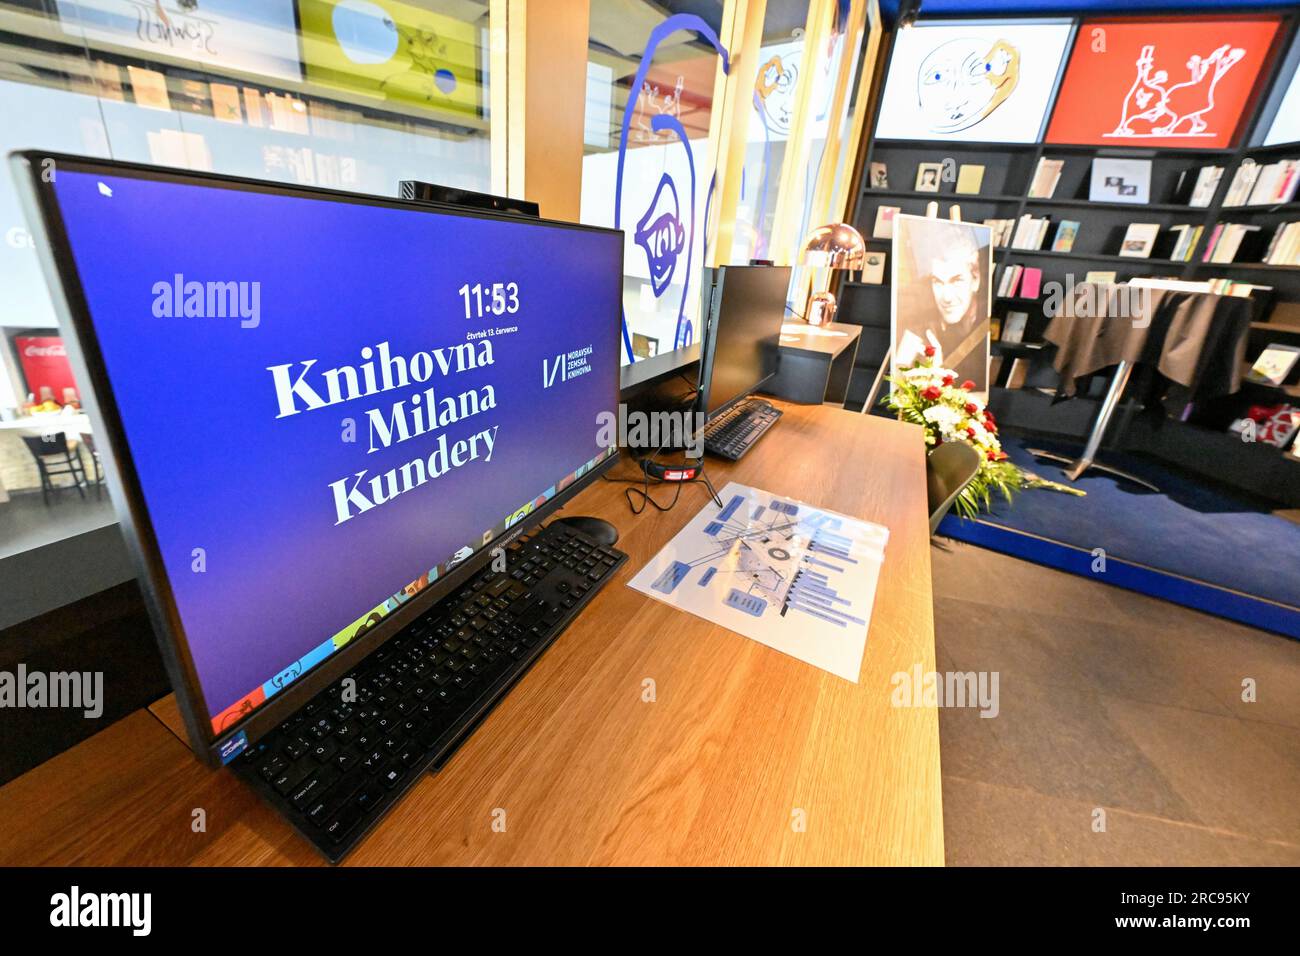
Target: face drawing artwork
x,y
962,81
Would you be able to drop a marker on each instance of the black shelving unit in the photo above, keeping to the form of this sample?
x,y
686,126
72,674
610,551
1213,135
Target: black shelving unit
x,y
1008,171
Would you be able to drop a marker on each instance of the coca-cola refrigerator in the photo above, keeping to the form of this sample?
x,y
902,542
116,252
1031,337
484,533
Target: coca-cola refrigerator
x,y
46,371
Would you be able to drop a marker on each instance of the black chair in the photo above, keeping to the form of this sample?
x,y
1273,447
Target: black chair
x,y
54,459
948,469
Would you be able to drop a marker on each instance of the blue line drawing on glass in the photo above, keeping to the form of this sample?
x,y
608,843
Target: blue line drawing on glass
x,y
685,333
680,21
773,101
708,204
662,237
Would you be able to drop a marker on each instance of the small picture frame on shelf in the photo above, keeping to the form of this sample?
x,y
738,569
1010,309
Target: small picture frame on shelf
x,y
884,227
1013,329
873,268
928,177
1120,180
879,176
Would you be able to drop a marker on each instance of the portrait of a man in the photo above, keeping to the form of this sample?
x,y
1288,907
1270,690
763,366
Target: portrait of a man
x,y
941,295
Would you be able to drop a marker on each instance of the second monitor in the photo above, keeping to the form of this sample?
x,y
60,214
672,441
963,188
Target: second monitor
x,y
745,306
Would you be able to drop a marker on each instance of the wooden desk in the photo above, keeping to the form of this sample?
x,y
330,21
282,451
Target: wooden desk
x,y
714,771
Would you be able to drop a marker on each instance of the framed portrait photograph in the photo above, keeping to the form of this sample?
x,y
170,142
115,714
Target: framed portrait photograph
x,y
928,177
941,296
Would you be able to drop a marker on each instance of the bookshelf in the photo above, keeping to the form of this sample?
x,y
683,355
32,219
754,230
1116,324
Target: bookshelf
x,y
1009,171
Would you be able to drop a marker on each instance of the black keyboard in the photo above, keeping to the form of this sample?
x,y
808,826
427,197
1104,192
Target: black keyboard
x,y
336,766
734,432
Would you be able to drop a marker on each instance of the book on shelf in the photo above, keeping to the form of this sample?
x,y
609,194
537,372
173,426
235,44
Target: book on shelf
x,y
1120,180
873,268
1269,424
1276,183
1019,373
1243,181
1100,277
1234,287
1031,281
1009,281
1229,239
149,88
254,107
879,176
1000,231
884,227
969,179
1188,236
1139,240
1013,329
226,104
1018,281
1284,247
1204,187
1067,230
1030,232
1046,177
1274,364
107,80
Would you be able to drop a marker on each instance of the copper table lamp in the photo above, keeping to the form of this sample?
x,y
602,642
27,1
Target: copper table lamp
x,y
833,246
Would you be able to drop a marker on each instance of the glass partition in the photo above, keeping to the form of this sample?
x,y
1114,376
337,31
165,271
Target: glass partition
x,y
645,168
347,94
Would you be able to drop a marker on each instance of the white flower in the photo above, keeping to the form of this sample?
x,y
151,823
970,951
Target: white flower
x,y
946,417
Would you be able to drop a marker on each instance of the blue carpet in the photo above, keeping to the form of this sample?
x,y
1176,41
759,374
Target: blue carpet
x,y
1192,543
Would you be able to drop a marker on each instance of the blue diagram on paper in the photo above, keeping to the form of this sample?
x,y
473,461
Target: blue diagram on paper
x,y
784,573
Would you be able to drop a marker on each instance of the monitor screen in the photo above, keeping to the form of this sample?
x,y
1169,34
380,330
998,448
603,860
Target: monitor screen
x,y
744,334
329,402
1170,82
989,81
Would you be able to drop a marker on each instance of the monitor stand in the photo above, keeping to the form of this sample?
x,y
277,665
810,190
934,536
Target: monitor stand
x,y
598,529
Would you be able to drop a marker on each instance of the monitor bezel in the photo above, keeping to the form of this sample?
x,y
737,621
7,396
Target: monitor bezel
x,y
45,221
717,288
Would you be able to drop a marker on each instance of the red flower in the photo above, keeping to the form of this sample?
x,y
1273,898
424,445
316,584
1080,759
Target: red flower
x,y
971,408
968,385
929,351
991,427
949,379
992,455
932,392
970,432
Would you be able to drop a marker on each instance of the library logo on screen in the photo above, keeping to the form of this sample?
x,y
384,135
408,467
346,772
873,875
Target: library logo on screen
x,y
566,366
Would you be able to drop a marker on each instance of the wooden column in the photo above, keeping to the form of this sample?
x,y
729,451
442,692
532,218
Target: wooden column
x,y
538,79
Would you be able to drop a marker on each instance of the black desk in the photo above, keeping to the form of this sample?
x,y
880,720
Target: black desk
x,y
816,362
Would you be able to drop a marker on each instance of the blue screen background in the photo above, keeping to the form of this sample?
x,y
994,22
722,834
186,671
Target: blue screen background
x,y
220,472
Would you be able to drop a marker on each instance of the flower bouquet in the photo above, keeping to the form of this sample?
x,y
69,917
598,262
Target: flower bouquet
x,y
929,396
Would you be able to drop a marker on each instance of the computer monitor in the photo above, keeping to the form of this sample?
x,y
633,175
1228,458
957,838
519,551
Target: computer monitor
x,y
745,307
320,412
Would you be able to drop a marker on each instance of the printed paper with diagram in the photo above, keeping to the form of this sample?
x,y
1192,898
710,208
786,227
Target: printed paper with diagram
x,y
795,577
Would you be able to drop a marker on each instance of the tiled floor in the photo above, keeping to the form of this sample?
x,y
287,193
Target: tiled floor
x,y
1111,701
